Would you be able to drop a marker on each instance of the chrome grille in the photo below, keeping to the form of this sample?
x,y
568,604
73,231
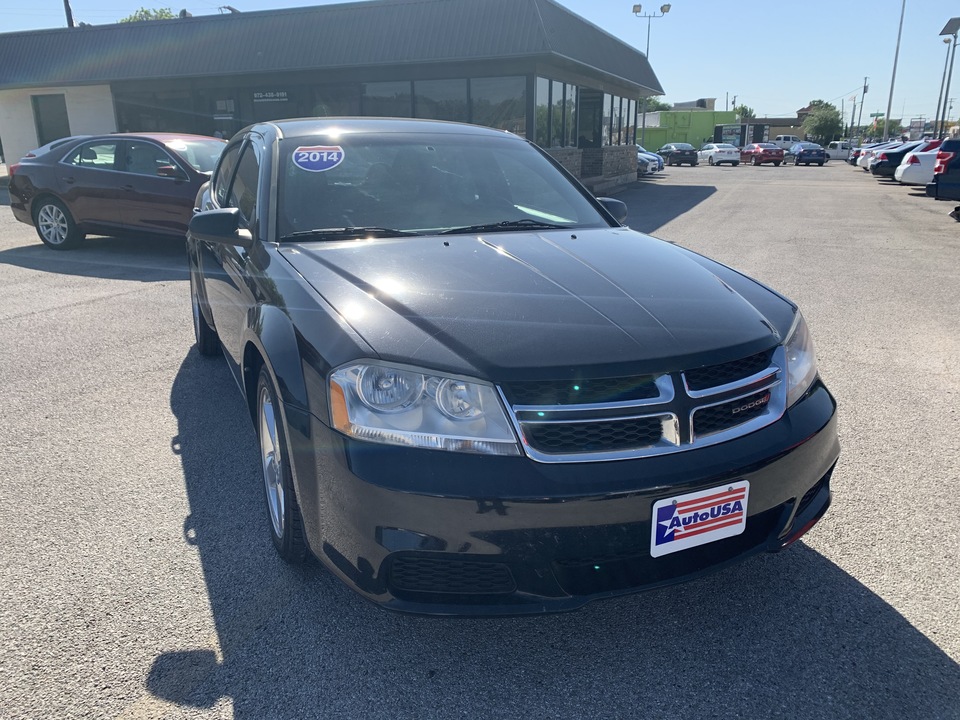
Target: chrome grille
x,y
672,413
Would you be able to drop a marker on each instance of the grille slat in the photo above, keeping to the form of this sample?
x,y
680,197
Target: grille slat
x,y
582,392
730,414
594,436
715,375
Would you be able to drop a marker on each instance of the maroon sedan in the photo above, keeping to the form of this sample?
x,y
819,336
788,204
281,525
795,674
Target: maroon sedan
x,y
760,153
119,184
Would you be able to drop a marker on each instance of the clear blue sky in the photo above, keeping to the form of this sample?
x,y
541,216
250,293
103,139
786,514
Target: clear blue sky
x,y
771,55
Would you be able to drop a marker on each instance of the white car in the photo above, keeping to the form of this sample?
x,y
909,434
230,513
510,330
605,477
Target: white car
x,y
869,154
719,153
917,168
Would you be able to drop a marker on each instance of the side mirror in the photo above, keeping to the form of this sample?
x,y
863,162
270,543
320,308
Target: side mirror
x,y
221,227
615,207
171,171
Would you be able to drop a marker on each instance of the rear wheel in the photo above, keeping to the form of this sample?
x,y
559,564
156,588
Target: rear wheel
x,y
55,225
776,163
820,164
736,163
283,511
756,160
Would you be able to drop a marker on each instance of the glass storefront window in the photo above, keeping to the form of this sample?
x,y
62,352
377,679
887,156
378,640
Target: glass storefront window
x,y
607,120
570,116
441,99
499,102
556,114
387,99
336,100
542,110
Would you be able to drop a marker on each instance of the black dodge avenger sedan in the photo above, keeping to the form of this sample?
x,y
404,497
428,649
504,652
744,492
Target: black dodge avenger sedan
x,y
476,391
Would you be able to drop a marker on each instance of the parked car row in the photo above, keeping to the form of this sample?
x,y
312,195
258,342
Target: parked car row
x,y
932,163
761,153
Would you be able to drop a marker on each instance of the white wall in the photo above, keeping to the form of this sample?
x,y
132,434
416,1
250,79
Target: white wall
x,y
89,111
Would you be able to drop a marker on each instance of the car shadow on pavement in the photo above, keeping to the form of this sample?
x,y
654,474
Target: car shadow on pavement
x,y
652,205
146,259
788,635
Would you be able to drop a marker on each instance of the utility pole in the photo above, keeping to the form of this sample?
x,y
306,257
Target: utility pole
x,y
69,12
852,116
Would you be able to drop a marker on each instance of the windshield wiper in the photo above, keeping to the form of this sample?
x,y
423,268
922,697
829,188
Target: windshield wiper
x,y
505,225
350,232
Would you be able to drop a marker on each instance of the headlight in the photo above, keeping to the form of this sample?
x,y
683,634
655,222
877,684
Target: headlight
x,y
801,360
400,405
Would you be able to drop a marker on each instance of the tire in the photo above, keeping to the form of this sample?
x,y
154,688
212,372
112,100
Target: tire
x,y
756,161
710,160
208,342
694,163
819,164
284,520
735,164
55,225
776,163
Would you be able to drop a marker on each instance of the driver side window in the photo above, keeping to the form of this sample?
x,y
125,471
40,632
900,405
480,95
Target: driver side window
x,y
224,174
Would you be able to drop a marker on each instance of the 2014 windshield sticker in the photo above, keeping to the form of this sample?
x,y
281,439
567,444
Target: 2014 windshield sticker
x,y
686,521
318,158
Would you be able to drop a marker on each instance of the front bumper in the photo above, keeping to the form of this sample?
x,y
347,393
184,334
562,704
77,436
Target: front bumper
x,y
454,534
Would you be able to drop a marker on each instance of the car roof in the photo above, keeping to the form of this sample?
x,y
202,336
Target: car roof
x,y
297,127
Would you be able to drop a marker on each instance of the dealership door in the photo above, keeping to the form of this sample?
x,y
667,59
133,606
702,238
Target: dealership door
x,y
50,116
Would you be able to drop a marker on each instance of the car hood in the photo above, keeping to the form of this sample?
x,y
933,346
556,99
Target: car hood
x,y
513,305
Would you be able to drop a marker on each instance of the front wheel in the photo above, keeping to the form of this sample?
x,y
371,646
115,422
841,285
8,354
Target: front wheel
x,y
283,511
710,160
819,164
756,161
55,225
735,164
208,342
776,163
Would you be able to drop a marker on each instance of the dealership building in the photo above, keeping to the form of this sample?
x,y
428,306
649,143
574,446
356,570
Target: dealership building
x,y
528,66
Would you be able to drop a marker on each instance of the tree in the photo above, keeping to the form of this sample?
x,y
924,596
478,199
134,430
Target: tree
x,y
824,123
744,112
147,14
656,105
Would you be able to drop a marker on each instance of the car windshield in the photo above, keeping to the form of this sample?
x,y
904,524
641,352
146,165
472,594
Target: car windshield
x,y
201,154
767,145
400,183
683,146
725,146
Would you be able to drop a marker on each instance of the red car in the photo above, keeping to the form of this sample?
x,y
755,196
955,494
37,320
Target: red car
x,y
118,184
760,153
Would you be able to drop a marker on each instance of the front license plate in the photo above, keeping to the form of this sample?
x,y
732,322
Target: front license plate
x,y
698,518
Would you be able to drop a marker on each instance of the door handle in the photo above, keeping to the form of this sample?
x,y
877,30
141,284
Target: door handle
x,y
129,188
69,180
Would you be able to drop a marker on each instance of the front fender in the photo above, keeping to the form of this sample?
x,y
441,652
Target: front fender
x,y
271,332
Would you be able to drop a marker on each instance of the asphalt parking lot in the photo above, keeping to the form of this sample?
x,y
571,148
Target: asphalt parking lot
x,y
137,579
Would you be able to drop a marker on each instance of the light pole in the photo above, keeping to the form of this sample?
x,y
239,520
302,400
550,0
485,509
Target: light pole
x,y
638,10
893,79
943,82
862,99
951,28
